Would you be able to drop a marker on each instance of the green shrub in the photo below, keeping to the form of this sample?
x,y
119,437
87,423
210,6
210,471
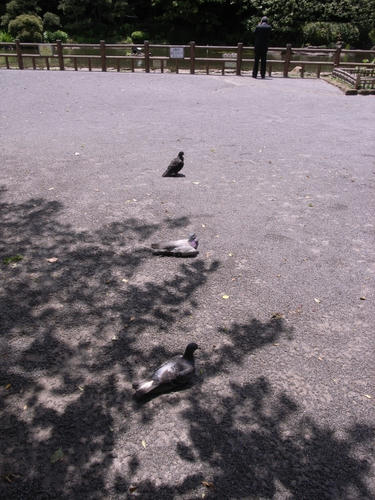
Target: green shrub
x,y
371,36
51,22
52,36
27,28
324,33
5,37
138,36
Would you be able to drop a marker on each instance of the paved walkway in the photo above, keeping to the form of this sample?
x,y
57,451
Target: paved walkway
x,y
279,187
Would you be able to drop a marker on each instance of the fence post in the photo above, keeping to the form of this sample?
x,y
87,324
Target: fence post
x,y
60,55
192,58
147,55
239,58
288,57
358,81
19,54
336,57
102,55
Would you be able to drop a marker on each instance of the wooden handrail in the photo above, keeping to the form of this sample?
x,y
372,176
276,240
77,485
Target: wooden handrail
x,y
237,56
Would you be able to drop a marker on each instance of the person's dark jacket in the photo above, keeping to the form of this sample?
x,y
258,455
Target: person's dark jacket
x,y
262,34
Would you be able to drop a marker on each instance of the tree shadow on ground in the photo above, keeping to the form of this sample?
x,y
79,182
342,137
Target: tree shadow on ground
x,y
72,334
257,444
72,324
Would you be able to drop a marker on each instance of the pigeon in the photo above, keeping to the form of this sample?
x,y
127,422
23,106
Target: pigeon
x,y
178,248
175,166
177,371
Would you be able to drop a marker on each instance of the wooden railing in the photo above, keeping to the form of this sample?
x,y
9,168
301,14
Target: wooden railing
x,y
234,60
359,78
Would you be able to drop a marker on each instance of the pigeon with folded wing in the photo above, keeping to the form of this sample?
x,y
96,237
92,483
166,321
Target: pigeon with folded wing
x,y
179,248
177,371
175,166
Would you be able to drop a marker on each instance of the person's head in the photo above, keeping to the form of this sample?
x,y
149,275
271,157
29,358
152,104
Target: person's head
x,y
264,19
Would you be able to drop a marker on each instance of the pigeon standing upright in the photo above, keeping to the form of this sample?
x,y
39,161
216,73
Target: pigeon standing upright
x,y
178,248
175,166
177,371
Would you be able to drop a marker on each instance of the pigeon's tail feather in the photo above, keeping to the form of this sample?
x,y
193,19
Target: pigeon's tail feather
x,y
145,387
167,173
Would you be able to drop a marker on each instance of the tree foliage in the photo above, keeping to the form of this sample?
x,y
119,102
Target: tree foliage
x,y
15,8
27,28
323,33
205,21
51,22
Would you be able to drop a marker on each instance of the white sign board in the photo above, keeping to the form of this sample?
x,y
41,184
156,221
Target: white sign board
x,y
176,52
45,49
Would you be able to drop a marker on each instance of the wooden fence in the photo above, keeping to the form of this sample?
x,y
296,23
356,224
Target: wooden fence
x,y
359,78
54,56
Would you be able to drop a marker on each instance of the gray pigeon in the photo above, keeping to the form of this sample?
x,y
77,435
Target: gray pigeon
x,y
178,248
175,166
177,371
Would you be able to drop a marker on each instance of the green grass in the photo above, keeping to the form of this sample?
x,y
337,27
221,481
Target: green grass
x,y
14,258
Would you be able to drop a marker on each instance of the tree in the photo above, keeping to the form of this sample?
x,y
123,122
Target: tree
x,y
27,28
17,7
51,22
97,17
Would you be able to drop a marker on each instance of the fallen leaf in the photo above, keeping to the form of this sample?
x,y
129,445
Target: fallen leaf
x,y
203,225
225,297
132,318
212,150
58,455
134,199
208,484
125,280
51,189
276,343
144,443
81,388
76,153
362,298
230,254
234,279
9,477
196,182
114,338
310,205
317,300
278,275
368,396
132,489
52,259
8,386
277,315
25,407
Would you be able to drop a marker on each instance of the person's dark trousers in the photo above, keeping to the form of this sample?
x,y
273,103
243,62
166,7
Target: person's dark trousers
x,y
262,56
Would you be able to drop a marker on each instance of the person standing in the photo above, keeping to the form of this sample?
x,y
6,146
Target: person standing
x,y
262,34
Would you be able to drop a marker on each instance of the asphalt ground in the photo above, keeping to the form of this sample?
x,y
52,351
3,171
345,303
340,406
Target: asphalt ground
x,y
279,187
